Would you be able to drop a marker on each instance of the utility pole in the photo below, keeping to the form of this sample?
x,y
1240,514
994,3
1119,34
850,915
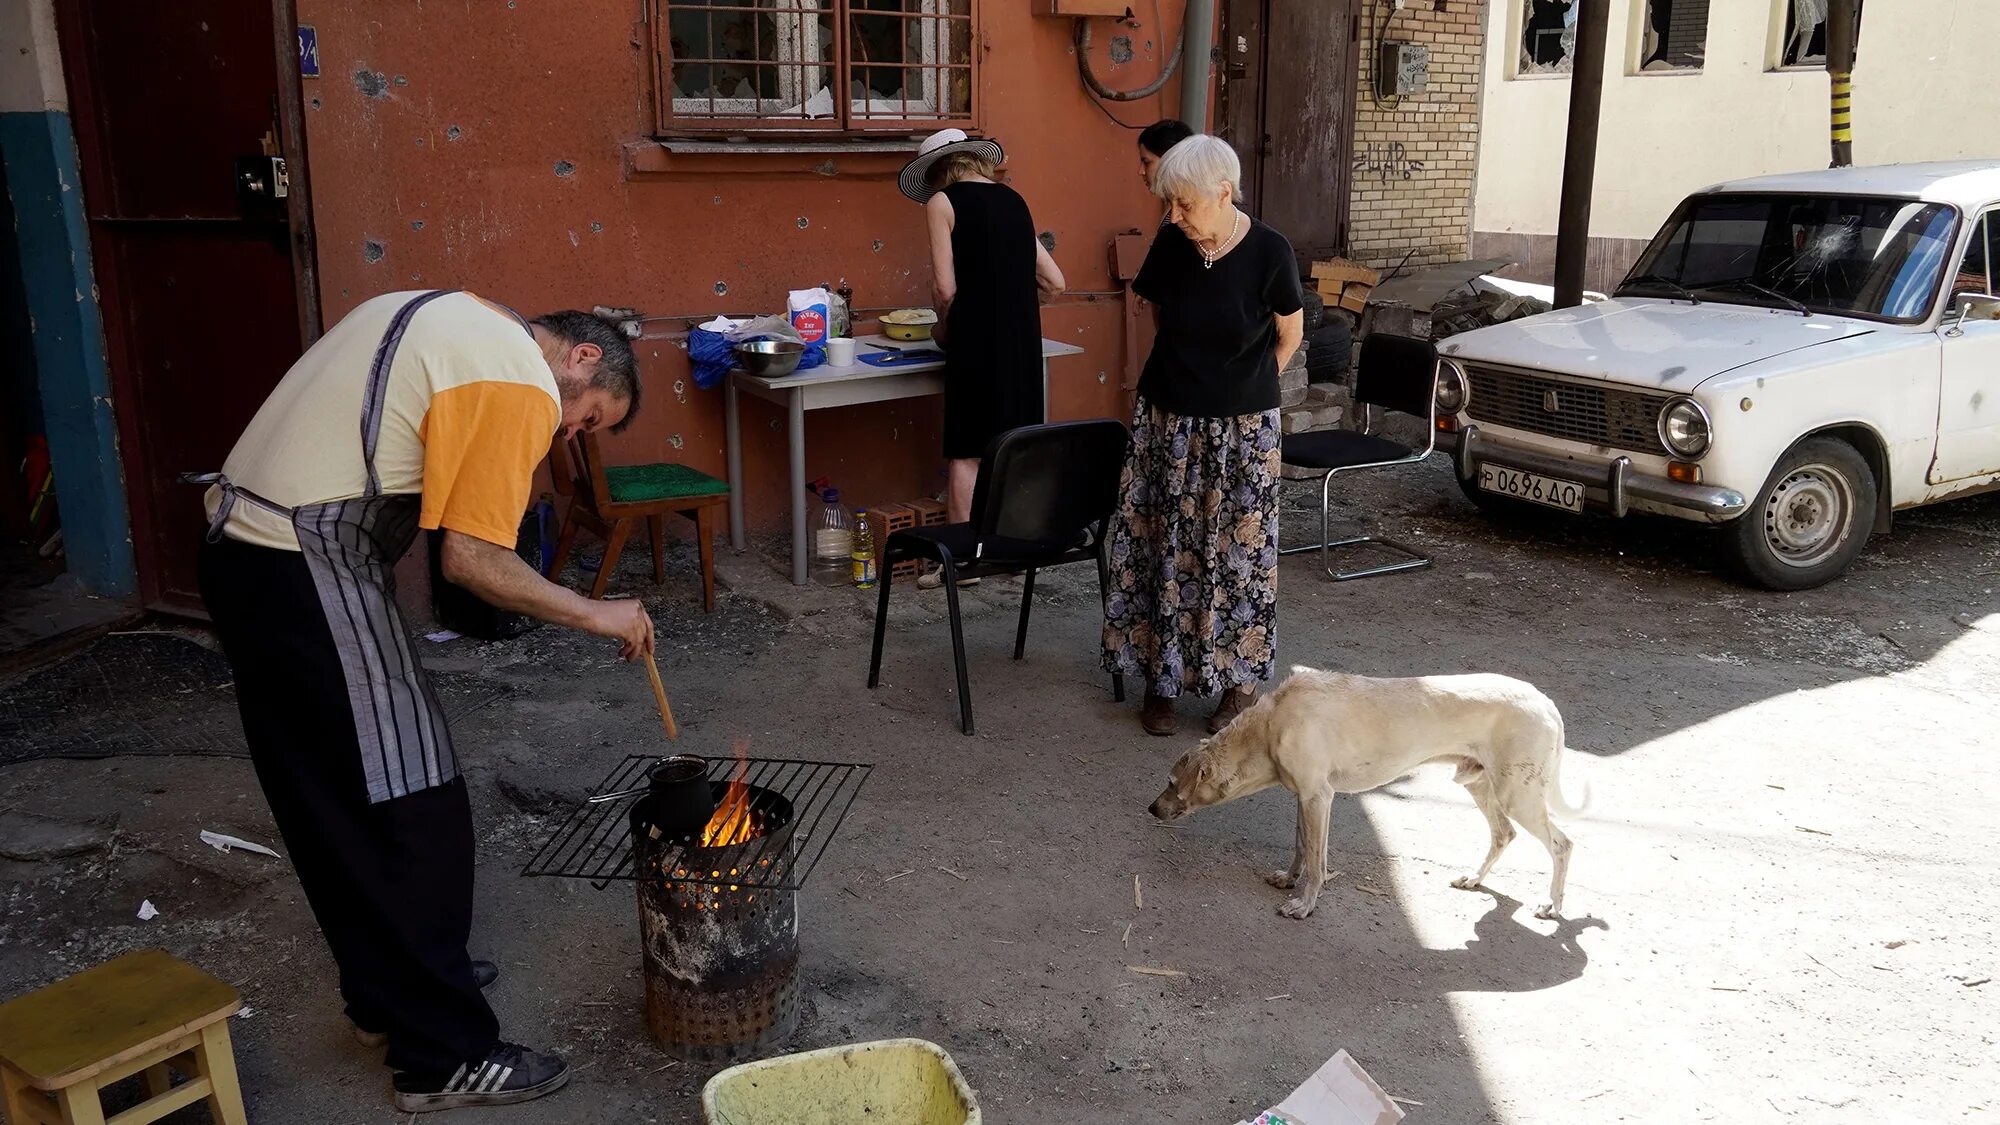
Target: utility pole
x,y
1586,93
1842,19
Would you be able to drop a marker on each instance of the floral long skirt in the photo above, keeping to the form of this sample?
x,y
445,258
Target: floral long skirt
x,y
1193,605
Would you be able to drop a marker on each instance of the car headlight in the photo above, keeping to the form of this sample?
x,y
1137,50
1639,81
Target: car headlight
x,y
1684,428
1452,390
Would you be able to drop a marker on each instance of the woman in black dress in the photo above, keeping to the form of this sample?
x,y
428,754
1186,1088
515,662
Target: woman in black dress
x,y
989,275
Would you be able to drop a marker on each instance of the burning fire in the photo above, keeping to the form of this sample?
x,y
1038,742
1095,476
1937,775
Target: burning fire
x,y
732,823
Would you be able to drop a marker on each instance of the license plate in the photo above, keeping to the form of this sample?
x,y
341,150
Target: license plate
x,y
1563,494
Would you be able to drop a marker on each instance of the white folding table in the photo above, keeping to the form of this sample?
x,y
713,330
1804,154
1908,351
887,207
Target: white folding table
x,y
824,388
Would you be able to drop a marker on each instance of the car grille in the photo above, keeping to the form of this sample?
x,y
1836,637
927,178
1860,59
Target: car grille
x,y
1586,412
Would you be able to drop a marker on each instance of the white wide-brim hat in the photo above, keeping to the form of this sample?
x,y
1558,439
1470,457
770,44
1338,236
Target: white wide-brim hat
x,y
915,180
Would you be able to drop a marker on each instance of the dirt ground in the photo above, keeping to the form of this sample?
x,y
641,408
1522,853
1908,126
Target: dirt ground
x,y
1783,903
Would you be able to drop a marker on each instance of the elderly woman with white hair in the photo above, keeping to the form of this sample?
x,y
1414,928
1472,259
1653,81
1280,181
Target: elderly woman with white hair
x,y
1194,543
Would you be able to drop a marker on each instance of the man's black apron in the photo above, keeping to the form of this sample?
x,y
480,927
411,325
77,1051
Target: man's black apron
x,y
351,548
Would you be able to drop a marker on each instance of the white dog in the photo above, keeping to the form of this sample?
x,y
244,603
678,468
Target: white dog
x,y
1321,733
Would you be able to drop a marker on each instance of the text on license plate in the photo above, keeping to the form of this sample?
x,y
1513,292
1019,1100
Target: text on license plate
x,y
1563,494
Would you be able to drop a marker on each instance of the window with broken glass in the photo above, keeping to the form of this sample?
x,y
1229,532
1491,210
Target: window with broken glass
x,y
1548,36
821,66
1674,35
1805,32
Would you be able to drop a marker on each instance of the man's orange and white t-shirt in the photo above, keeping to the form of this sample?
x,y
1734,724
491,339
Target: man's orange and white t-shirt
x,y
469,413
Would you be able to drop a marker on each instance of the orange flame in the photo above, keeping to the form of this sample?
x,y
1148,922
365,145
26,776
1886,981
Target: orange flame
x,y
732,823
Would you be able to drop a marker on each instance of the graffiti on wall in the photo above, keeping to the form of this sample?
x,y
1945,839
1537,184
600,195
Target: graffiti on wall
x,y
1386,160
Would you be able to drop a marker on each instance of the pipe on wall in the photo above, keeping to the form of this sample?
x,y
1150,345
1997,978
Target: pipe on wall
x,y
1198,32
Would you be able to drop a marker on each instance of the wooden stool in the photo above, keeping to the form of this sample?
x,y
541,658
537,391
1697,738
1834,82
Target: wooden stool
x,y
611,500
137,1014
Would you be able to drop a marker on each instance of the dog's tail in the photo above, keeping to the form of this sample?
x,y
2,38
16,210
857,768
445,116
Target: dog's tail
x,y
1558,804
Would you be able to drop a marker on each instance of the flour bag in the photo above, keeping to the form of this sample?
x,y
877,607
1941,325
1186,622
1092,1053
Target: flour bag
x,y
811,318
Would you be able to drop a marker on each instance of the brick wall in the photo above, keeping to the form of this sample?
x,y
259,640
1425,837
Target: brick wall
x,y
1414,156
1687,31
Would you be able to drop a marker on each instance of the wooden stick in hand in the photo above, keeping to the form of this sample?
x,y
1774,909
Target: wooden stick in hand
x,y
660,697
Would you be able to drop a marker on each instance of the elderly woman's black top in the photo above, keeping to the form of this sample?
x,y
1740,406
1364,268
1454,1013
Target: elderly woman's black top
x,y
1215,354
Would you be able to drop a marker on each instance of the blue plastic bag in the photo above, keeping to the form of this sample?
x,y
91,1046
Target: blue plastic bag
x,y
710,355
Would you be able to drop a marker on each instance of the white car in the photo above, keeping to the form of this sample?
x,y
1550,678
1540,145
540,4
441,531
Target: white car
x,y
1793,358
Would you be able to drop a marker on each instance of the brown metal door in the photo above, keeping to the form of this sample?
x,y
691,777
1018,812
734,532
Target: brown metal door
x,y
199,275
1290,78
1239,117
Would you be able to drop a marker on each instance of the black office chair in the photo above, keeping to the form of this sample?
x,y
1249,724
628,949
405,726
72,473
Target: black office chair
x,y
1396,373
1044,498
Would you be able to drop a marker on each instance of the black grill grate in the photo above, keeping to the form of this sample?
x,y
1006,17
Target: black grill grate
x,y
595,841
1594,413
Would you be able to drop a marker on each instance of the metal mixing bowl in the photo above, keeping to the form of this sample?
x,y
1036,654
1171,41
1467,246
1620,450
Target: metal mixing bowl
x,y
768,359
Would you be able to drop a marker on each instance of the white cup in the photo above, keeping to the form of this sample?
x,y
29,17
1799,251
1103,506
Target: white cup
x,y
840,351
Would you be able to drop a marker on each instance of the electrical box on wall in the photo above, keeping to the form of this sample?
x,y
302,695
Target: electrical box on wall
x,y
1401,68
1116,9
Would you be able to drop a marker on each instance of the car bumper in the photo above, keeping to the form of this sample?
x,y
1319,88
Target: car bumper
x,y
1612,485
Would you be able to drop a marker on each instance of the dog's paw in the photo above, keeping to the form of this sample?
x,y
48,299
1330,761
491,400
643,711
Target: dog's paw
x,y
1548,912
1466,883
1283,880
1297,908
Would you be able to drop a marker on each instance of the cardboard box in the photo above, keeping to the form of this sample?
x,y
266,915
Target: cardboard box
x,y
1342,270
1351,295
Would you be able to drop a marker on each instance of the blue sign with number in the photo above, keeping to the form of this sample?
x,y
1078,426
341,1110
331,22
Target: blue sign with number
x,y
308,52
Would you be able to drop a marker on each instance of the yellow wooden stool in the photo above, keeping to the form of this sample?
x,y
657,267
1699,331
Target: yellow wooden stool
x,y
137,1014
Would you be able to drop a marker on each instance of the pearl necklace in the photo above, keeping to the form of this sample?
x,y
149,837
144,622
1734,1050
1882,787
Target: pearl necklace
x,y
1207,259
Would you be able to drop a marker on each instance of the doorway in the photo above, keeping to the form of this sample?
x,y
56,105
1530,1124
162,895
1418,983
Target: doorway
x,y
1288,81
191,145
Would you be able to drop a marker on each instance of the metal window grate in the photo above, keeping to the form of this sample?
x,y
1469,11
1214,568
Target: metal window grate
x,y
595,841
814,64
1586,412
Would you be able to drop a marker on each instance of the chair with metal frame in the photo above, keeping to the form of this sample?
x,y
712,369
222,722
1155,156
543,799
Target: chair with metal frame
x,y
1044,497
1396,373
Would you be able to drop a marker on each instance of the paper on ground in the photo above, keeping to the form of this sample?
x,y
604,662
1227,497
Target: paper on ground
x,y
441,636
1339,1093
223,843
147,911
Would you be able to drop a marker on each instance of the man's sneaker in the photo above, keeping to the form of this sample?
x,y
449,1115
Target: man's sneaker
x,y
511,1073
484,973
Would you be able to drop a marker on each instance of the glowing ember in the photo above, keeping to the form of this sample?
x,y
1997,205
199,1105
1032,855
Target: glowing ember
x,y
732,823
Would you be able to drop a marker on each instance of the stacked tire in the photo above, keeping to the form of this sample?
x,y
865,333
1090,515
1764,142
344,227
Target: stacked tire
x,y
1329,349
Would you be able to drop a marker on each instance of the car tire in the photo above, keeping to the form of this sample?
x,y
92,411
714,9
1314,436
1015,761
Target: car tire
x,y
1810,521
1329,351
1314,309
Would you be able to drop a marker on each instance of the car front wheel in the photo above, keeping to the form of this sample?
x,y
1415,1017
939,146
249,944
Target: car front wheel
x,y
1811,520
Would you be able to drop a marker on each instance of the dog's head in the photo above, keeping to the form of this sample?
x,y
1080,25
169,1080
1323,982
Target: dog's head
x,y
1196,782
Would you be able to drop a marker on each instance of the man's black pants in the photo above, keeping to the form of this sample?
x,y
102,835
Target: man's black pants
x,y
390,883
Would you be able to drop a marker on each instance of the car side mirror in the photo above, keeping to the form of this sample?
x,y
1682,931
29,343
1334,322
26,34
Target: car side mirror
x,y
1974,306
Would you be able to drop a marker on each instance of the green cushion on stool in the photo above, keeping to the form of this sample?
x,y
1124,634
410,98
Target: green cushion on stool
x,y
634,484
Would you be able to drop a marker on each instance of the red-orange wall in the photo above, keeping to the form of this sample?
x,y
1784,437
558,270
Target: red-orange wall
x,y
509,128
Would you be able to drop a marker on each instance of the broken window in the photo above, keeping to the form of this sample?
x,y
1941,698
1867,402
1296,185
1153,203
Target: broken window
x,y
1845,255
1675,36
785,64
1548,36
1805,31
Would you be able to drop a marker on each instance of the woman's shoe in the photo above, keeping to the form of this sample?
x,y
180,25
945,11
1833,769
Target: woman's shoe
x,y
934,577
1158,717
1233,703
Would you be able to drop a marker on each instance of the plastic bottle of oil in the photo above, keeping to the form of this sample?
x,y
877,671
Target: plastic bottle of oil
x,y
864,557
